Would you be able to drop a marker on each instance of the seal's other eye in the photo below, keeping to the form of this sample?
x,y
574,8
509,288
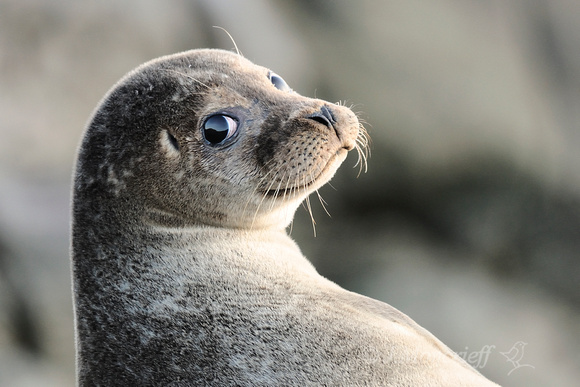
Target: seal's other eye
x,y
278,82
218,128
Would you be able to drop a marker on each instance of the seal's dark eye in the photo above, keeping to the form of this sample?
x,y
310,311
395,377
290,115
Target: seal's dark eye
x,y
278,82
219,128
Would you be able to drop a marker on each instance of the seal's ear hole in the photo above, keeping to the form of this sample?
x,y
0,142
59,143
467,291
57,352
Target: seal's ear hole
x,y
172,141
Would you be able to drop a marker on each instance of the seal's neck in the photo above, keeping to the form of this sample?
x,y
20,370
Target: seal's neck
x,y
275,218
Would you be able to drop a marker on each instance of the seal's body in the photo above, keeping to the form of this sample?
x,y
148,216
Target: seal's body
x,y
188,174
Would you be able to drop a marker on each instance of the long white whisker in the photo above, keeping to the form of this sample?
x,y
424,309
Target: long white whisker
x,y
250,197
278,188
265,194
231,38
308,204
309,207
362,146
288,188
323,203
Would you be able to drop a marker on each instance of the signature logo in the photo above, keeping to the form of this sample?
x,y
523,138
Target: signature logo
x,y
515,356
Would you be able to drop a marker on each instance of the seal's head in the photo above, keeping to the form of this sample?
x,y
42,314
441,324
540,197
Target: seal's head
x,y
207,137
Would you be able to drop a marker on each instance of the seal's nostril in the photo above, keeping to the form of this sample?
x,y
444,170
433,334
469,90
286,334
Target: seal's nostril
x,y
321,119
324,116
328,114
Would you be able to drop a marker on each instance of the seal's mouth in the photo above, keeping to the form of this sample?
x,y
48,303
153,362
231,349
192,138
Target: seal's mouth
x,y
296,190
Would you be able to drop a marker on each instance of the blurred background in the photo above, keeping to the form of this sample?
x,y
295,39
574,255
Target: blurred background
x,y
468,219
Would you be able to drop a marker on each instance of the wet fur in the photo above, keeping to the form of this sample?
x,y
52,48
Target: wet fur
x,y
183,273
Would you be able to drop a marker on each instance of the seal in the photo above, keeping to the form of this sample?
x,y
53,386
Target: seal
x,y
187,176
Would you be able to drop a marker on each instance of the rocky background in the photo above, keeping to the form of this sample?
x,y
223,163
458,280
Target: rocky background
x,y
468,219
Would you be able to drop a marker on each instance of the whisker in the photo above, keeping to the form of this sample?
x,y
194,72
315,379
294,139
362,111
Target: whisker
x,y
255,191
231,38
362,146
296,187
278,188
288,190
308,204
265,195
309,207
323,203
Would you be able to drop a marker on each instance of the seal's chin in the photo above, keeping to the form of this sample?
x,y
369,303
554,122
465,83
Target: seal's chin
x,y
323,177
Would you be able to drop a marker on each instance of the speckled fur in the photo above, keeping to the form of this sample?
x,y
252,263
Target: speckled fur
x,y
183,272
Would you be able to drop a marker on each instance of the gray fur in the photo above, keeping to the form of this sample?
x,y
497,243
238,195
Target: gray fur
x,y
183,272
